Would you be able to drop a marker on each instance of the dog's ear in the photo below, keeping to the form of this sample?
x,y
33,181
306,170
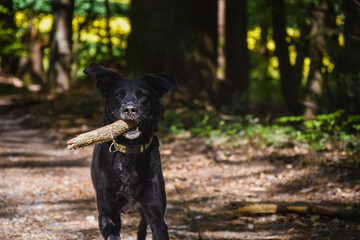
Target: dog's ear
x,y
161,83
105,77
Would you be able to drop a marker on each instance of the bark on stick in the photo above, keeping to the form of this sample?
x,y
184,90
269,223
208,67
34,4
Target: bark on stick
x,y
100,135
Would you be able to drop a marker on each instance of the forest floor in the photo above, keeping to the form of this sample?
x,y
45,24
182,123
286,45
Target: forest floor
x,y
213,192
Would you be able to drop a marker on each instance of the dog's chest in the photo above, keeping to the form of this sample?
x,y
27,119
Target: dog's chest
x,y
127,186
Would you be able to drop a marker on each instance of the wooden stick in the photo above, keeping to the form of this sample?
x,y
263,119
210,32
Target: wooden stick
x,y
100,135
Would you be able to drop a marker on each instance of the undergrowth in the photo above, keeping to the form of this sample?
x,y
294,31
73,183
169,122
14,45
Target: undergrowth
x,y
335,130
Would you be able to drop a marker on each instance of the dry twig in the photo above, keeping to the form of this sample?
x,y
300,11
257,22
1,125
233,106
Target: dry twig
x,y
100,135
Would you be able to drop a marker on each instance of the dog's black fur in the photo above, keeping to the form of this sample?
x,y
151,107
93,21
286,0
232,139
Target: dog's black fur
x,y
127,183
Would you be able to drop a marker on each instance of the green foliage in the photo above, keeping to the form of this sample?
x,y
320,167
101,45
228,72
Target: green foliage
x,y
340,89
98,8
85,14
9,43
37,5
80,7
95,52
328,130
334,128
12,49
4,10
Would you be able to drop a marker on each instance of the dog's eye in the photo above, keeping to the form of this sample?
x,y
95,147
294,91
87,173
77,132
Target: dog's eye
x,y
120,94
141,95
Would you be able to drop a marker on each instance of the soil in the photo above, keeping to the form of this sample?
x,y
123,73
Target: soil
x,y
46,190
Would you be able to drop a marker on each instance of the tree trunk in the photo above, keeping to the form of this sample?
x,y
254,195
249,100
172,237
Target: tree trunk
x,y
289,76
221,40
60,46
32,64
89,16
236,54
333,211
178,37
316,49
347,65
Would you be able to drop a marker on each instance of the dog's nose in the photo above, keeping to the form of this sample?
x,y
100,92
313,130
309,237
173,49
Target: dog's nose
x,y
129,109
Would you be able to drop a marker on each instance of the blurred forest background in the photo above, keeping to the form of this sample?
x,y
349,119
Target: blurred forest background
x,y
262,140
288,63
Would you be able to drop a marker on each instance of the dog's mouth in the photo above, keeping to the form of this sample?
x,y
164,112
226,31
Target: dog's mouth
x,y
134,132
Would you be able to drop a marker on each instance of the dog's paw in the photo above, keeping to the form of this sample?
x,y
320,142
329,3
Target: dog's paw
x,y
112,237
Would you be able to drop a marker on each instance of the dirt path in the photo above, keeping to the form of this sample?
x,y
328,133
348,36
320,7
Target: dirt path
x,y
46,192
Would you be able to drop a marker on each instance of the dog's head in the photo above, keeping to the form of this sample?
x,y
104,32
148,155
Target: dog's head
x,y
135,99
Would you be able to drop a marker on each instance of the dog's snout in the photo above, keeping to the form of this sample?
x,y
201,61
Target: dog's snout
x,y
129,109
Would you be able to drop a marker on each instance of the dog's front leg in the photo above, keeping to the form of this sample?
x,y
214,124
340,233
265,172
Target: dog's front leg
x,y
153,207
142,227
155,218
110,225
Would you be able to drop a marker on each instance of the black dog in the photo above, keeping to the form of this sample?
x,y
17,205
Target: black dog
x,y
126,173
